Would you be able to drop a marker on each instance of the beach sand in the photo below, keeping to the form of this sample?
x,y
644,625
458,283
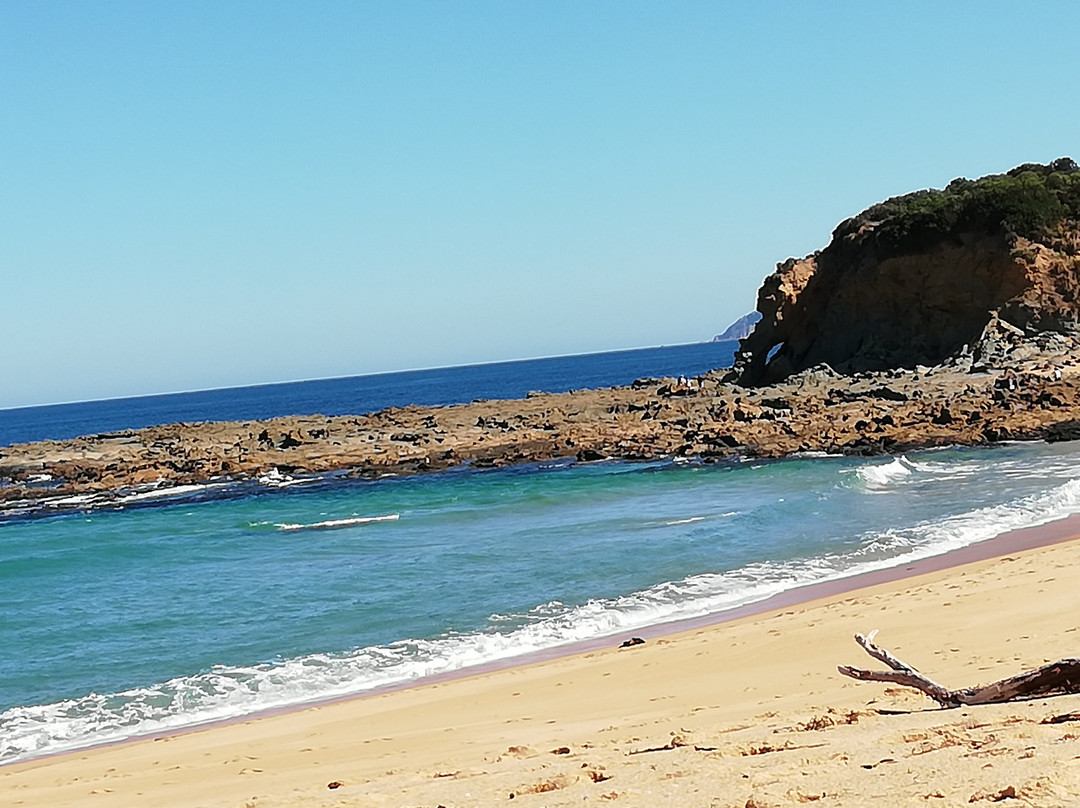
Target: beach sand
x,y
748,712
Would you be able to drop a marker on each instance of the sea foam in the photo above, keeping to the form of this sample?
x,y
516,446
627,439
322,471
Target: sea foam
x,y
228,692
332,524
878,476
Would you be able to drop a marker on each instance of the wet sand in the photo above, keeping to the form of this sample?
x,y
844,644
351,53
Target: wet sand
x,y
744,708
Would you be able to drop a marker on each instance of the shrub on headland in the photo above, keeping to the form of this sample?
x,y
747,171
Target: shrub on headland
x,y
1030,201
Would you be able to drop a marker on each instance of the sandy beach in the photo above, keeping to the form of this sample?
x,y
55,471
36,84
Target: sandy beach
x,y
365,441
747,712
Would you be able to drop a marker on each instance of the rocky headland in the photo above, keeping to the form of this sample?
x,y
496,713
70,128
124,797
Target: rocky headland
x,y
935,318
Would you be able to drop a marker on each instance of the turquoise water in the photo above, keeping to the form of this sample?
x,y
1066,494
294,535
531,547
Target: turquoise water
x,y
121,622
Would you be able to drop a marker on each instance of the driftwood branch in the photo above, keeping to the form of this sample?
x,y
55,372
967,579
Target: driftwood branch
x,y
1054,679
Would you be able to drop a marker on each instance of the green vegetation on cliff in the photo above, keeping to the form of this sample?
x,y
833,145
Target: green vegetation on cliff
x,y
1030,201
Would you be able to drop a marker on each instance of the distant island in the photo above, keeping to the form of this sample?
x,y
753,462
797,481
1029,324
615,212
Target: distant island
x,y
740,329
934,318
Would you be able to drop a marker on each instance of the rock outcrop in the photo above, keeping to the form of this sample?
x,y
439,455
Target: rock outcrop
x,y
706,419
932,319
917,279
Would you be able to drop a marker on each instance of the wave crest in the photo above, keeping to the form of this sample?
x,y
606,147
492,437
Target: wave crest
x,y
228,692
877,476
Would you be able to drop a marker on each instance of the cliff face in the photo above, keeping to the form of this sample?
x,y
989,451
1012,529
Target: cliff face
x,y
916,279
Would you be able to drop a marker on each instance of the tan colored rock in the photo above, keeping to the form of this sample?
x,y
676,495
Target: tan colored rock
x,y
917,279
962,337
867,414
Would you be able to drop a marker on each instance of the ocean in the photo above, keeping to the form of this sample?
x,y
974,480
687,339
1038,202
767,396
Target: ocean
x,y
360,394
132,621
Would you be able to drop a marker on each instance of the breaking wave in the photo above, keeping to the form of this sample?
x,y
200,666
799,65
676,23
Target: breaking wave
x,y
224,692
333,524
877,476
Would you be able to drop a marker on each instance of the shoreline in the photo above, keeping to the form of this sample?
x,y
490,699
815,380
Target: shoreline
x,y
1062,530
707,418
1013,541
690,718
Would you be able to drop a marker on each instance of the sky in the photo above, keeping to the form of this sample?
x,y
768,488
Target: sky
x,y
211,194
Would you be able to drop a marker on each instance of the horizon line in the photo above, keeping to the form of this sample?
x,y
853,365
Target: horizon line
x,y
351,376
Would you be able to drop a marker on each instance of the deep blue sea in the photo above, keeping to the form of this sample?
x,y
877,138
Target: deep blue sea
x,y
360,394
123,622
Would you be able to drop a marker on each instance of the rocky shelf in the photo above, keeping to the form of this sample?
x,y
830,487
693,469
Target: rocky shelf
x,y
936,318
1037,396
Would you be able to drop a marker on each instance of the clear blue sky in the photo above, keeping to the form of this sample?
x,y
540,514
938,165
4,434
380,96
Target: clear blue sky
x,y
208,194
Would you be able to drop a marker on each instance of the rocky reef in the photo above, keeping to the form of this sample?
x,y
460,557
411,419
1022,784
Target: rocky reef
x,y
918,279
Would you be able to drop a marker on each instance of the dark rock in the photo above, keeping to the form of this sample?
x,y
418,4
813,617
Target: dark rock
x,y
776,403
289,442
944,417
589,456
1063,431
887,394
870,447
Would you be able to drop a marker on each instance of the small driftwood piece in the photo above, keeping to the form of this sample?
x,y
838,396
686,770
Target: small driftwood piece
x,y
1055,679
